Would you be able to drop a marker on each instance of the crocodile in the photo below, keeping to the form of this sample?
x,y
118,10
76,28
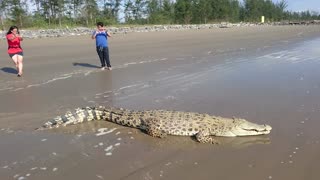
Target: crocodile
x,y
160,123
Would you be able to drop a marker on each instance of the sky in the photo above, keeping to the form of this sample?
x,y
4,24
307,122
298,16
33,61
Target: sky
x,y
303,5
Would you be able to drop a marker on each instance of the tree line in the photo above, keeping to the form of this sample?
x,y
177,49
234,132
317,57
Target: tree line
x,y
60,13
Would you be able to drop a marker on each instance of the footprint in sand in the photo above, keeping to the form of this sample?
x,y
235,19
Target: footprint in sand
x,y
34,170
111,148
103,131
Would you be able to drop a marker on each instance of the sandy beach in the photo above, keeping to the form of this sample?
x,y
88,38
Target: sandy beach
x,y
265,74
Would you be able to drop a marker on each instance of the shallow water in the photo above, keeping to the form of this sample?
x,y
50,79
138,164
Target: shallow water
x,y
277,85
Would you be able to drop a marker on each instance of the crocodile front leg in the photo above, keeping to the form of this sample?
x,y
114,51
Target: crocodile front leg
x,y
153,128
203,136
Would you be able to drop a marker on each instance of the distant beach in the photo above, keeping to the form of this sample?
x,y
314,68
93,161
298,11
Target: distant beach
x,y
123,29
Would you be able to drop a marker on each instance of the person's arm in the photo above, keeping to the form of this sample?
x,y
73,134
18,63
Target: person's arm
x,y
94,34
108,34
18,36
11,37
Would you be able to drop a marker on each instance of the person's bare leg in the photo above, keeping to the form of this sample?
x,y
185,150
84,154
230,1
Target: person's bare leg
x,y
20,64
15,61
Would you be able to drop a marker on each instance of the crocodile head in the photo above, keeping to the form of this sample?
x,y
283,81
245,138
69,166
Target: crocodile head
x,y
242,127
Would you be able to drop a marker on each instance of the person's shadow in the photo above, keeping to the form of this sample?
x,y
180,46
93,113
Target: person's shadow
x,y
85,65
9,70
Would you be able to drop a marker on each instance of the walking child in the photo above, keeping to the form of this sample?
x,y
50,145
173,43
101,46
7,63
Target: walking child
x,y
101,36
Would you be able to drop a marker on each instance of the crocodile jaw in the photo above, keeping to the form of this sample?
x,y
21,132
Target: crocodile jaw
x,y
241,127
262,129
249,129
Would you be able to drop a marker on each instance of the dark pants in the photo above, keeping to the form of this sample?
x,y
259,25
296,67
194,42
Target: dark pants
x,y
103,53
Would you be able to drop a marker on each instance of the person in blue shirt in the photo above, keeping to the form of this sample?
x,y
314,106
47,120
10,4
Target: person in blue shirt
x,y
101,36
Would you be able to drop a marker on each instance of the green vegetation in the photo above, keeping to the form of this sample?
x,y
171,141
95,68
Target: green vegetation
x,y
75,13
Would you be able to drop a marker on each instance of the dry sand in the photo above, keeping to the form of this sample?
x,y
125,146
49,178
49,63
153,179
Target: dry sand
x,y
264,74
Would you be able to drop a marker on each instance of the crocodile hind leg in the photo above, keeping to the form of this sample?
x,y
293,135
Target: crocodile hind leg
x,y
153,130
204,137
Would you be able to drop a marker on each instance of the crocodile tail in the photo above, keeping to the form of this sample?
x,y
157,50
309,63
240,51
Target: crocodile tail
x,y
78,116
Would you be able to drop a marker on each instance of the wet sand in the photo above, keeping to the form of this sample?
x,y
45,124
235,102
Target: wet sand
x,y
263,74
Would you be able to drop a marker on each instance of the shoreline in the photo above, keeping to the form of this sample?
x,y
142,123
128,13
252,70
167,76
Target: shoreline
x,y
80,31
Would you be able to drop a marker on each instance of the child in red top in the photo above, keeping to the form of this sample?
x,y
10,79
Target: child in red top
x,y
14,48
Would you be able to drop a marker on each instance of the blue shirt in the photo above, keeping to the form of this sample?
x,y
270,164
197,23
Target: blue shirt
x,y
101,39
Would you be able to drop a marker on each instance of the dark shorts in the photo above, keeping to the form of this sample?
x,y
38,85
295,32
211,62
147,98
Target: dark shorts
x,y
18,53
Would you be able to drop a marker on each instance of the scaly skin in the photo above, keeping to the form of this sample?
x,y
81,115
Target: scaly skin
x,y
160,123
